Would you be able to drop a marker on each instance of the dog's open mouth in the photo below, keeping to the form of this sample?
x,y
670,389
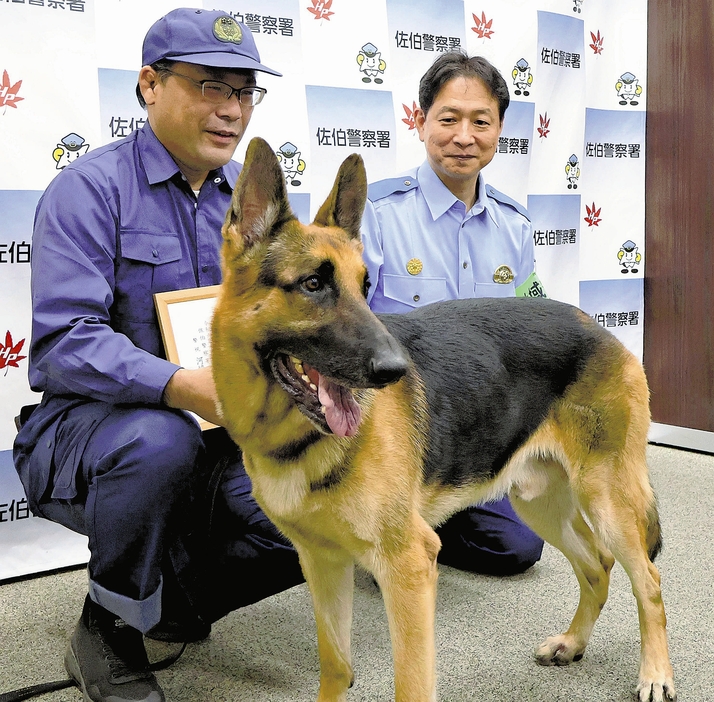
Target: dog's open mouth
x,y
331,406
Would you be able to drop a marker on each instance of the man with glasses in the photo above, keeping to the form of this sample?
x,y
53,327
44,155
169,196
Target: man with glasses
x,y
176,540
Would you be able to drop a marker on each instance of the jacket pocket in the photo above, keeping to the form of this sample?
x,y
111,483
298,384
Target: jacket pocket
x,y
150,262
414,291
149,247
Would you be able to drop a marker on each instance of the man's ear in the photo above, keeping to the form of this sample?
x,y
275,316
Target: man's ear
x,y
345,203
419,122
259,205
148,79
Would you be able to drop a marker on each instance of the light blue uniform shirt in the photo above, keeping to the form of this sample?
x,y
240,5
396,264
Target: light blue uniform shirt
x,y
416,218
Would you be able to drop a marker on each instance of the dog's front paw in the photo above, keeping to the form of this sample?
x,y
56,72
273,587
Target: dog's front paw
x,y
656,691
559,650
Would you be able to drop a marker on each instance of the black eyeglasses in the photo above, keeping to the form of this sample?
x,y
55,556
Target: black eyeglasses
x,y
217,91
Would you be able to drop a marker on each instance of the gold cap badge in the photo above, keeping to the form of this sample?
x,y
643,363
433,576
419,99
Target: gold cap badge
x,y
503,274
414,266
227,29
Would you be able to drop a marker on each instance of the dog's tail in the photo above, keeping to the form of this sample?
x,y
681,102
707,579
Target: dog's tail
x,y
654,531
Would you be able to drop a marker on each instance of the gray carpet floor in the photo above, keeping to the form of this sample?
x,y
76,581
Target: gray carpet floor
x,y
486,627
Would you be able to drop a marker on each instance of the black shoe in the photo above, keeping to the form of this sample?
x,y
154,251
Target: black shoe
x,y
107,659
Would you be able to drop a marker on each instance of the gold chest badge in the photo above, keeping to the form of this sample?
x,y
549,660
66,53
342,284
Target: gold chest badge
x,y
414,266
503,274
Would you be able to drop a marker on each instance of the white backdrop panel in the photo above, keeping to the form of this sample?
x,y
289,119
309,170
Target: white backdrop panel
x,y
576,70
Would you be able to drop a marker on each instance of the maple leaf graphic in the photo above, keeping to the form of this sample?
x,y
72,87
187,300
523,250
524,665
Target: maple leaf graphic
x,y
409,119
483,26
9,93
544,124
321,9
10,353
596,46
593,218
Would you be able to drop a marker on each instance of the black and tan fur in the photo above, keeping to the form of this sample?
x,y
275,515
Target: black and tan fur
x,y
459,402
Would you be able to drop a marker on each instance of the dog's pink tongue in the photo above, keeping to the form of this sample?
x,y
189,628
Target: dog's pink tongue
x,y
343,414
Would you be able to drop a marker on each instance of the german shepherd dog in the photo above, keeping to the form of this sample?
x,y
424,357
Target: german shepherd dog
x,y
360,433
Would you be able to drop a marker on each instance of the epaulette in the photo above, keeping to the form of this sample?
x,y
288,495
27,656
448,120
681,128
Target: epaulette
x,y
400,184
504,199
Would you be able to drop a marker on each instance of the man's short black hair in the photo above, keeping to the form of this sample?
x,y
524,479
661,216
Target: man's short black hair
x,y
455,64
165,66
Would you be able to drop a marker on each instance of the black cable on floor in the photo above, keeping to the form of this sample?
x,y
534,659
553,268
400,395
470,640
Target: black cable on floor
x,y
25,693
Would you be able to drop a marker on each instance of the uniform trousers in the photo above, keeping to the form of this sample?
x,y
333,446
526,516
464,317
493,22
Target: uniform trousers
x,y
489,539
173,529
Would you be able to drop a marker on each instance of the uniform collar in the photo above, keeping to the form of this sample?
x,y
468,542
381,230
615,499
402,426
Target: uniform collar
x,y
160,166
440,199
483,202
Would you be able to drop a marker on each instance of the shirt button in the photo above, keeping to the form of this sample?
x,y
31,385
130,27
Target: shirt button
x,y
407,182
217,180
204,268
466,264
155,253
416,298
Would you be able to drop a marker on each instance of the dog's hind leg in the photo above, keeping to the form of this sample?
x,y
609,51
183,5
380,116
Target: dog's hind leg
x,y
329,573
616,497
406,571
628,521
553,512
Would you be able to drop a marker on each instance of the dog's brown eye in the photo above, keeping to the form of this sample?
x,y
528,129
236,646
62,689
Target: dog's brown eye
x,y
312,284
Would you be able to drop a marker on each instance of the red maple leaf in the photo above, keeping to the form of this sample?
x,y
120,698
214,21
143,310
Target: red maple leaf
x,y
8,93
593,218
596,46
409,119
483,26
10,353
321,9
544,124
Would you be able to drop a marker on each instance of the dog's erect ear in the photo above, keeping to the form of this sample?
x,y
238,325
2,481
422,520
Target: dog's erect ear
x,y
260,200
345,204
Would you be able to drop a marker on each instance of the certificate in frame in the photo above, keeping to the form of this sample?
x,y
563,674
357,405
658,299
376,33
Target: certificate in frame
x,y
185,323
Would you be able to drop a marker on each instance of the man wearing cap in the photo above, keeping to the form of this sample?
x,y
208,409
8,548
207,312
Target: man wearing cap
x,y
439,232
176,540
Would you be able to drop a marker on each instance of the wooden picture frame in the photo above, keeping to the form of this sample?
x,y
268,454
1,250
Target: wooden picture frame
x,y
185,323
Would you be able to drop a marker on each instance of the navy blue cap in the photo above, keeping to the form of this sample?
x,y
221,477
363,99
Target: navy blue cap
x,y
204,37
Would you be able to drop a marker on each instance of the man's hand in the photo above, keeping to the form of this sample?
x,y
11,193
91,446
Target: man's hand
x,y
194,390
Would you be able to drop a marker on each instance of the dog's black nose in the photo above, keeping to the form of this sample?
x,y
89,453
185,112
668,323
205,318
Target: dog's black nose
x,y
388,364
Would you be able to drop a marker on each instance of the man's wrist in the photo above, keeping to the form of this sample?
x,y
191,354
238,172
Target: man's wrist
x,y
172,390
